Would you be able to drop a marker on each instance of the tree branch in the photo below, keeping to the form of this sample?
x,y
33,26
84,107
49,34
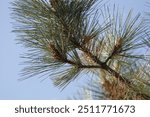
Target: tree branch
x,y
102,65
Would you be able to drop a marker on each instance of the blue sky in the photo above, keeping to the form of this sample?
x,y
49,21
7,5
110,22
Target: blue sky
x,y
33,88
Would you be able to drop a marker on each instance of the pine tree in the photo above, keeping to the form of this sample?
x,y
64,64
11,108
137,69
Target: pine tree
x,y
66,38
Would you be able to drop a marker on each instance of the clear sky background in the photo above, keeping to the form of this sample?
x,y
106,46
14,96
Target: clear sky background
x,y
33,88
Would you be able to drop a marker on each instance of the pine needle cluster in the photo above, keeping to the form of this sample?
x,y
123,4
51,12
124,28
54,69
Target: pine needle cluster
x,y
66,38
